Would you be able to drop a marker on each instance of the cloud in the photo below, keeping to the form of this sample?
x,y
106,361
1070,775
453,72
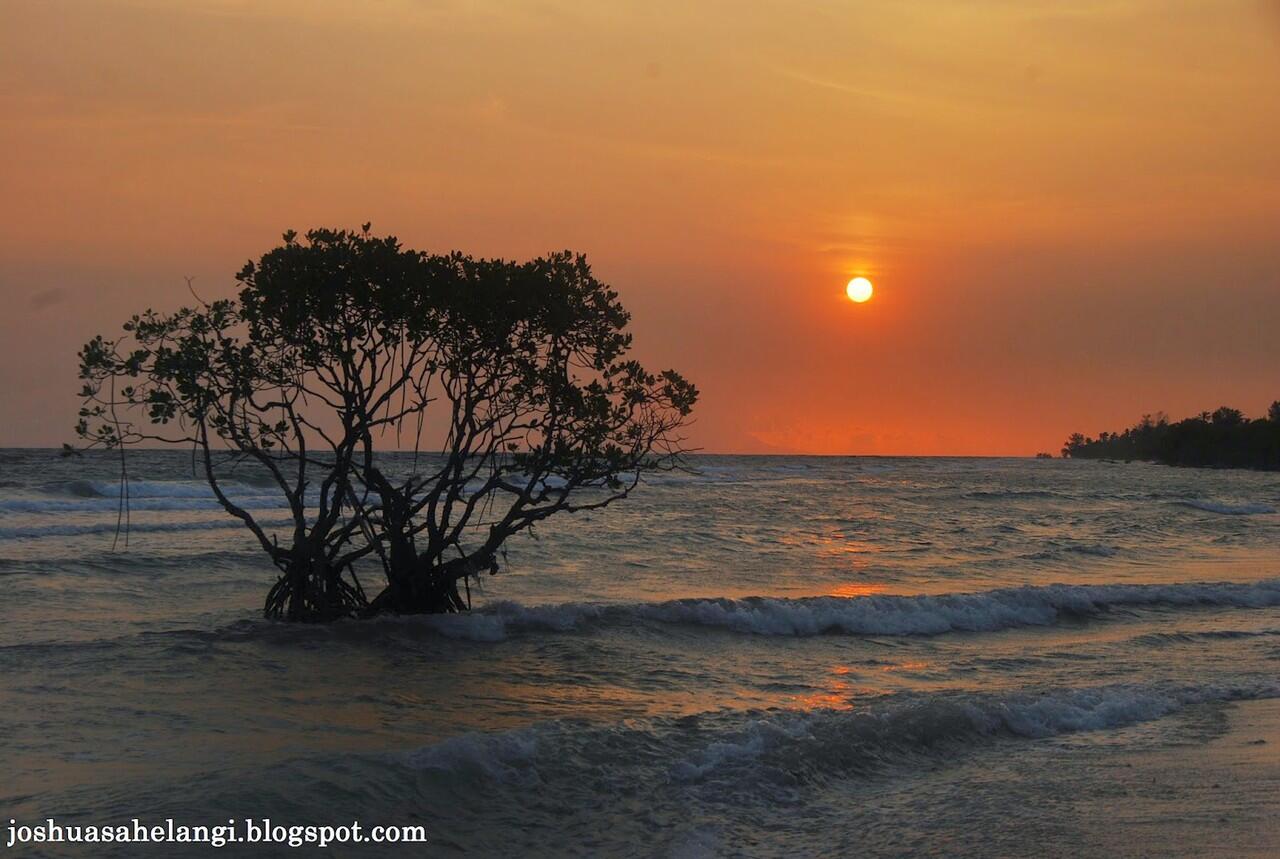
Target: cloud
x,y
47,298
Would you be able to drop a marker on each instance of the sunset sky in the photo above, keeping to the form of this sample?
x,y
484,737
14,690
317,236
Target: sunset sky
x,y
1070,210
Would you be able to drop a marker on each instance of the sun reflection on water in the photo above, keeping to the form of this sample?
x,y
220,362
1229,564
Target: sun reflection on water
x,y
856,589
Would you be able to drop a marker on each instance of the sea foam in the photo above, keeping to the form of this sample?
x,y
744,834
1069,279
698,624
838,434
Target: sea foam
x,y
787,745
880,614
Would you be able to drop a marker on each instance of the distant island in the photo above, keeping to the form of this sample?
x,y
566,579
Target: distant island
x,y
1221,439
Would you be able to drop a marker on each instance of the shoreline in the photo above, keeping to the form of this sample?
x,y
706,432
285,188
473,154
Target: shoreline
x,y
1218,798
1204,782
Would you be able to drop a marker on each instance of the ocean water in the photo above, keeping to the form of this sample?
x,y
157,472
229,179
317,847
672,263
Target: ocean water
x,y
773,656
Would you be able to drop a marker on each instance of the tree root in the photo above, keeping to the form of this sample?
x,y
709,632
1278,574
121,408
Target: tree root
x,y
309,597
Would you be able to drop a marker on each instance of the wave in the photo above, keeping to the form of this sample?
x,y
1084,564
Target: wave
x,y
1058,550
137,488
179,561
250,492
1099,550
80,488
1225,509
153,503
755,748
879,614
1159,639
36,532
602,789
822,738
99,496
1003,494
876,615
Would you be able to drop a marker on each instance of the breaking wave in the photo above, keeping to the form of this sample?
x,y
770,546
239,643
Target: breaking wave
x,y
791,745
138,488
35,532
987,611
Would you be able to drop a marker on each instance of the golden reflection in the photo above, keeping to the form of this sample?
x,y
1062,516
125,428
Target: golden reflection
x,y
836,693
850,551
824,700
856,589
915,665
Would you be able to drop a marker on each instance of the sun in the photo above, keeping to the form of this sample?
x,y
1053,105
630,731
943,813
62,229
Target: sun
x,y
859,290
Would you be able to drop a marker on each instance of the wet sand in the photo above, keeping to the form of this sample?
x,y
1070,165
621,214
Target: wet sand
x,y
1215,792
1219,798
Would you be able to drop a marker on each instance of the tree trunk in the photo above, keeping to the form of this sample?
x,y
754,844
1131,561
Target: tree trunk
x,y
310,590
427,588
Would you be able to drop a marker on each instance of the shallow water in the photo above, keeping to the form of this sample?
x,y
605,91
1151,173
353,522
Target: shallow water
x,y
741,661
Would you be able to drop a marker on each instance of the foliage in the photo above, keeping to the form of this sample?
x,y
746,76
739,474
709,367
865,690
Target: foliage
x,y
1225,438
337,340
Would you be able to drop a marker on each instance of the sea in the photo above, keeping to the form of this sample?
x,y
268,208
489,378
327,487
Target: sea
x,y
760,656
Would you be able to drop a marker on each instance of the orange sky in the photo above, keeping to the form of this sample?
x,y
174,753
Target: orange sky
x,y
1071,210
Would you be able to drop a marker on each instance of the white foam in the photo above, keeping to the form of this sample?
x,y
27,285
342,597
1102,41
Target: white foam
x,y
175,503
810,737
497,755
748,748
986,611
493,622
36,532
151,488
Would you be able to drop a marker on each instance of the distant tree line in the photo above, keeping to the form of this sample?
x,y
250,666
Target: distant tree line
x,y
1221,439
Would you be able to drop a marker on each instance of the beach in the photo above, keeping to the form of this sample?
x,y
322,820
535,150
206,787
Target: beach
x,y
765,656
1212,793
1216,798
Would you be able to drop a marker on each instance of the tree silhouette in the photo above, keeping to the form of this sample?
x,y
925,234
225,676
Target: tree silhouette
x,y
337,340
1223,438
1225,416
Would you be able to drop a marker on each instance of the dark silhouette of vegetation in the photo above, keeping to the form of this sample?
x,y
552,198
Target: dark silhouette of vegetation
x,y
335,341
1221,439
